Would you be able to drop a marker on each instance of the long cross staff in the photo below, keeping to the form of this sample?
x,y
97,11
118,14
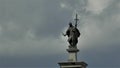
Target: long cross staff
x,y
76,20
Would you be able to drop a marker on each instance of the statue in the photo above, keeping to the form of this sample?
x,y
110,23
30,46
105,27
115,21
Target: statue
x,y
73,34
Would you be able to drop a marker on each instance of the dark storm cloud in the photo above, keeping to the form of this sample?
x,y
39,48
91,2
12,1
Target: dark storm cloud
x,y
101,37
42,18
17,17
30,32
22,24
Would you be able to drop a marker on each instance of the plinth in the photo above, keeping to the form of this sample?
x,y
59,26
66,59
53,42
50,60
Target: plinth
x,y
72,59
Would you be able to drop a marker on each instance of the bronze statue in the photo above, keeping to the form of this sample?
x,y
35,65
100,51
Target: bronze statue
x,y
73,33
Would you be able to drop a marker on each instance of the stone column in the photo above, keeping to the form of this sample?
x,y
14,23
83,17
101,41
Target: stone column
x,y
72,60
72,54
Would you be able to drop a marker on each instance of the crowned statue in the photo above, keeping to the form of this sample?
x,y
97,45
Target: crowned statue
x,y
72,33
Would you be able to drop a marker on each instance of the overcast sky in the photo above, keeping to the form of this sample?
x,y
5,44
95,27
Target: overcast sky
x,y
31,32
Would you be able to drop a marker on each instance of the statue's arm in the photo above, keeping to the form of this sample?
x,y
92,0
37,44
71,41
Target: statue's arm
x,y
68,32
63,34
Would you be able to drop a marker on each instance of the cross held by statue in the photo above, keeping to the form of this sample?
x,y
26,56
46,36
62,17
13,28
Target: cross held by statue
x,y
76,20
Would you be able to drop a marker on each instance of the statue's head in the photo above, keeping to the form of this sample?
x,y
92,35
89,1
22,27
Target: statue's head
x,y
70,24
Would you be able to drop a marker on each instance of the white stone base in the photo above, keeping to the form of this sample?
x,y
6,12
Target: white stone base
x,y
72,54
72,57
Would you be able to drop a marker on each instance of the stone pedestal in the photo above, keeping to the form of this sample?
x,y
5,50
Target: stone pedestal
x,y
72,65
72,60
72,54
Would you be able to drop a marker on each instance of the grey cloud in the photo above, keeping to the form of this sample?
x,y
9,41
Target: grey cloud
x,y
30,33
100,37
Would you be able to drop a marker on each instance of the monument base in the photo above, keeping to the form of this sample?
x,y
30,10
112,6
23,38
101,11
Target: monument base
x,y
72,54
72,60
72,64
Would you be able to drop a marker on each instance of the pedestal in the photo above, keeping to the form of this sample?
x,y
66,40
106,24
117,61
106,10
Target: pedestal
x,y
72,60
72,64
72,54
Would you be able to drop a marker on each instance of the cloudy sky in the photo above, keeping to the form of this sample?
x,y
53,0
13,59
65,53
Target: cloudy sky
x,y
31,32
